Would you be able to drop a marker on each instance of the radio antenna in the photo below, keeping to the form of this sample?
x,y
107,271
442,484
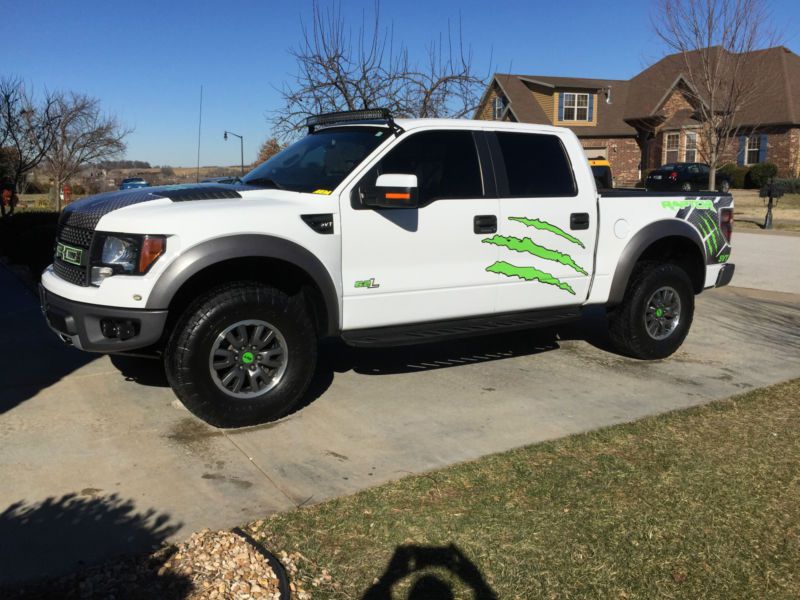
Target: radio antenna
x,y
199,129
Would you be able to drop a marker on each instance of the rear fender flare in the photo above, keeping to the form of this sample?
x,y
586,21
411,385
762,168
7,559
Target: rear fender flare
x,y
642,240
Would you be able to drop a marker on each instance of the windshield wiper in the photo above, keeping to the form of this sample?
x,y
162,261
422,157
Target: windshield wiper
x,y
264,181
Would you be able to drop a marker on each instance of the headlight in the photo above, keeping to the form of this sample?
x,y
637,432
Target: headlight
x,y
124,254
119,252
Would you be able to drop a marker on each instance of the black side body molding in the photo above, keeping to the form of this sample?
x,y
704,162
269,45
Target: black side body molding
x,y
437,331
217,250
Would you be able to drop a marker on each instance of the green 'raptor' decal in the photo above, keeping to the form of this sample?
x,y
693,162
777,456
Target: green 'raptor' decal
x,y
545,226
528,245
528,274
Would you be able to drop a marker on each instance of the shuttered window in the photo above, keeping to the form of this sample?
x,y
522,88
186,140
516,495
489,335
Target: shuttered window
x,y
753,149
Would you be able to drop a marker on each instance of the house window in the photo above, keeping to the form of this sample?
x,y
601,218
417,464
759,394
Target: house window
x,y
753,149
672,152
691,147
576,107
500,104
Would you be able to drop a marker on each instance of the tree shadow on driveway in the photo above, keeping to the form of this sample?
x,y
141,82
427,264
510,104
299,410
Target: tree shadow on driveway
x,y
32,358
58,539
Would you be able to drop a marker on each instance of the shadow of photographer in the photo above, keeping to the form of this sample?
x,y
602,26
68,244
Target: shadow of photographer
x,y
409,560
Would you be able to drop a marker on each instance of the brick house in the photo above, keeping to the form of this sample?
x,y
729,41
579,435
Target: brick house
x,y
649,120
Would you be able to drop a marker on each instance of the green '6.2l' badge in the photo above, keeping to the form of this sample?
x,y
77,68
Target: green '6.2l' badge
x,y
68,254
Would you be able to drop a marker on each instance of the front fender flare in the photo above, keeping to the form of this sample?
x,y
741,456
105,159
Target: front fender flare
x,y
217,250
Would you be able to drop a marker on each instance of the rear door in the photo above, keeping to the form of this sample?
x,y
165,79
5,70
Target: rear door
x,y
548,223
408,265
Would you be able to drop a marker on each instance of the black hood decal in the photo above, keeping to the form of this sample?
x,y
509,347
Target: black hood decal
x,y
86,213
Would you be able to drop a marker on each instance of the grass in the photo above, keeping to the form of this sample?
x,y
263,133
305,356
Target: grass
x,y
702,503
750,211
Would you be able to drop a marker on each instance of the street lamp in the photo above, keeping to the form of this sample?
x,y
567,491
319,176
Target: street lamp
x,y
241,144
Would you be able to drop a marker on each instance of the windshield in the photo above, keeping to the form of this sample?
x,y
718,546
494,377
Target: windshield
x,y
319,162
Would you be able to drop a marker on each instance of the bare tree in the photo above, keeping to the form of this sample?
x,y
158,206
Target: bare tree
x,y
340,70
84,135
267,150
717,40
27,127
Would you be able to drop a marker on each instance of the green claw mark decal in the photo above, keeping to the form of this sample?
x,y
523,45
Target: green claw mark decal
x,y
545,226
528,274
528,245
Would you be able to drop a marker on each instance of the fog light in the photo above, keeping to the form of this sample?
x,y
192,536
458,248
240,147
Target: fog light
x,y
100,273
121,330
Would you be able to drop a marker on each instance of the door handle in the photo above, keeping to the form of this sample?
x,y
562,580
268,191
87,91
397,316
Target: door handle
x,y
579,221
484,224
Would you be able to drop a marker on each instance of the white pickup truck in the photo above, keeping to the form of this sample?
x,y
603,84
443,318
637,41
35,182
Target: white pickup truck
x,y
381,232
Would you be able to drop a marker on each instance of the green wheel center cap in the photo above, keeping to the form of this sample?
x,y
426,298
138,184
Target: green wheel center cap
x,y
659,312
247,358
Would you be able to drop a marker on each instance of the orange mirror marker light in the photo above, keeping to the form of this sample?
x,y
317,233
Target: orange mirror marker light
x,y
398,196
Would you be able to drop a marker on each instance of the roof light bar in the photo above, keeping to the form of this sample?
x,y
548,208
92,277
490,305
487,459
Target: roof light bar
x,y
351,116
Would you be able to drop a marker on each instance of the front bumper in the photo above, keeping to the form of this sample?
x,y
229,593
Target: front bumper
x,y
81,325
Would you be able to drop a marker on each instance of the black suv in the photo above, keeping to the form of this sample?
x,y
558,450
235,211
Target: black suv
x,y
686,177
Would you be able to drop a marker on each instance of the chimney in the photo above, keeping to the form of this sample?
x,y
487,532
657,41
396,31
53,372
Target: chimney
x,y
608,95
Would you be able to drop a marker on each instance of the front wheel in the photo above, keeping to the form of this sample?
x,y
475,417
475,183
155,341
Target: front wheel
x,y
656,313
242,354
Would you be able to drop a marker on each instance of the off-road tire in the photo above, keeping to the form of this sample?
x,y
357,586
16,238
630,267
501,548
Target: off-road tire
x,y
627,328
189,347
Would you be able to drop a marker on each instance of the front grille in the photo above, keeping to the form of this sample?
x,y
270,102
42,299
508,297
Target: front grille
x,y
71,273
77,237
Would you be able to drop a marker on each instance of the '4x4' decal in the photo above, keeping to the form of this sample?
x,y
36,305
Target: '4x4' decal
x,y
527,245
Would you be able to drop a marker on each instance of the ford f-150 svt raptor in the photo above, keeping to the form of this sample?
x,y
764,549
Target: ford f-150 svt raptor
x,y
382,232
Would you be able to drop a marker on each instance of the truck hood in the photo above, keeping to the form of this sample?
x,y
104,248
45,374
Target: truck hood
x,y
86,213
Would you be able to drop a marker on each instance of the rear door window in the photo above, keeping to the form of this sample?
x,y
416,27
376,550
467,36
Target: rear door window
x,y
536,165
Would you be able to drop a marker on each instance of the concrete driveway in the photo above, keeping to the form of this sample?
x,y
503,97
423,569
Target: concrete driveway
x,y
97,457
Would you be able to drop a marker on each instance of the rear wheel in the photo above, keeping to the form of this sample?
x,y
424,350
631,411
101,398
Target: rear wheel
x,y
242,354
656,313
686,187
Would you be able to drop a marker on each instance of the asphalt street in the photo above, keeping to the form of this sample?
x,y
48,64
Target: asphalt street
x,y
98,458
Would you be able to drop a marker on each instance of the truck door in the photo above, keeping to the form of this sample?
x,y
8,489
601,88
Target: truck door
x,y
407,265
547,226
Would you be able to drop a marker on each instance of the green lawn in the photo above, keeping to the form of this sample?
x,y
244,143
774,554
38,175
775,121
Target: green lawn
x,y
703,503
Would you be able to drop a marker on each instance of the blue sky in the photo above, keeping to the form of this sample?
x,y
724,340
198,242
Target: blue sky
x,y
146,60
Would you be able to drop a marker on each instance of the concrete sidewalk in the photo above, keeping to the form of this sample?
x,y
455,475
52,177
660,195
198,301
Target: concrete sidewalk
x,y
98,458
767,261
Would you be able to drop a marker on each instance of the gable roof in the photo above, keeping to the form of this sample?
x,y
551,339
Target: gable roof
x,y
776,70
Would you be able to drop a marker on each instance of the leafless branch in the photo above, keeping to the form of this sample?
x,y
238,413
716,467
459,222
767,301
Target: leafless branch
x,y
717,40
341,70
83,135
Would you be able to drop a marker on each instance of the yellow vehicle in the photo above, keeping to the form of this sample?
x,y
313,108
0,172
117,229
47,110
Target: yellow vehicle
x,y
601,169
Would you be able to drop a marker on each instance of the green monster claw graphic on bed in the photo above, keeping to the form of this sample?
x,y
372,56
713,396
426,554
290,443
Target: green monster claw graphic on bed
x,y
527,245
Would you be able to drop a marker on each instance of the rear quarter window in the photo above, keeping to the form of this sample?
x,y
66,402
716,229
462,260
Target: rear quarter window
x,y
536,165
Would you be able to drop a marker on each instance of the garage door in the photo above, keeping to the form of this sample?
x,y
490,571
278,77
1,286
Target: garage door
x,y
599,152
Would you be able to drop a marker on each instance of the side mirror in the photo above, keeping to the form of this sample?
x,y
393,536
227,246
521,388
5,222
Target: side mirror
x,y
395,191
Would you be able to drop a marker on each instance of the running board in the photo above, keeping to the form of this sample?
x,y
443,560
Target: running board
x,y
436,331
